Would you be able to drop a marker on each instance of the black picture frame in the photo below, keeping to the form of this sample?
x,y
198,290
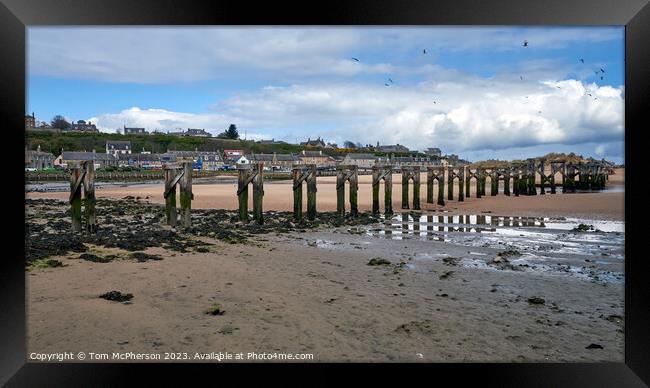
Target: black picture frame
x,y
15,15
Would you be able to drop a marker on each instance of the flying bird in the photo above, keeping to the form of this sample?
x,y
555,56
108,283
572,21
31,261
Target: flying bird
x,y
390,80
558,87
434,102
589,94
387,84
521,77
601,77
424,51
582,60
539,111
596,72
525,44
602,71
355,59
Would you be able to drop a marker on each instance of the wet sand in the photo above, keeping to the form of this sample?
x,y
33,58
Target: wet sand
x,y
608,205
314,292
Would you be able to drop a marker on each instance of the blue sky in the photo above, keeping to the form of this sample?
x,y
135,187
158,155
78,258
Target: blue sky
x,y
477,92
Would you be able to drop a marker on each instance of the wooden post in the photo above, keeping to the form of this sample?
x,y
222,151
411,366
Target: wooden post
x,y
242,193
416,188
405,188
450,183
461,180
170,199
297,194
468,182
375,189
479,177
506,182
75,198
388,191
340,193
354,187
311,193
441,187
258,193
515,181
532,190
542,175
89,193
186,195
429,185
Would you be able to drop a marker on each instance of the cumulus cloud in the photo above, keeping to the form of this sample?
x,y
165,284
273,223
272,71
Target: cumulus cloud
x,y
468,115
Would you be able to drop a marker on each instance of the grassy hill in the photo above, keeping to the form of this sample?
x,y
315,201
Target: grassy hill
x,y
157,143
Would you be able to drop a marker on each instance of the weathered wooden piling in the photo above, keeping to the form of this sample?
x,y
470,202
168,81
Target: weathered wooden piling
x,y
436,174
416,187
76,178
532,190
304,174
461,182
311,193
494,182
186,196
242,191
171,180
89,194
378,173
347,173
258,192
297,193
411,173
506,181
516,174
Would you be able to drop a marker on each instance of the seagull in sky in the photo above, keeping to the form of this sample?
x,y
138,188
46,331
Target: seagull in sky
x,y
589,94
601,77
355,59
424,51
582,60
387,84
521,77
390,80
525,44
602,71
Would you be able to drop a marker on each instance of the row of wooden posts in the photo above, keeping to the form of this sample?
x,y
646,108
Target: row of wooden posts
x,y
590,176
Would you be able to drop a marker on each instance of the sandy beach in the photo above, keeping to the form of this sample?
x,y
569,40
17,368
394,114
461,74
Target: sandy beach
x,y
489,288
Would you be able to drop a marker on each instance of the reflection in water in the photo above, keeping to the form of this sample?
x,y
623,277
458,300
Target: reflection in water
x,y
436,227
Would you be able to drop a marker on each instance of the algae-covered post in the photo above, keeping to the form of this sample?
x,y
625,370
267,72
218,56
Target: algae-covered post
x,y
494,182
532,190
311,193
378,173
405,188
89,194
461,182
297,193
243,180
304,174
416,187
186,195
436,174
258,192
76,178
170,195
346,173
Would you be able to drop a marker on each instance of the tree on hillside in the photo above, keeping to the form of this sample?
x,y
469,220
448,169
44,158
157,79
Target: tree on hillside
x,y
349,144
60,122
230,133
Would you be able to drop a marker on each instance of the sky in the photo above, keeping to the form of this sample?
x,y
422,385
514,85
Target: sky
x,y
473,91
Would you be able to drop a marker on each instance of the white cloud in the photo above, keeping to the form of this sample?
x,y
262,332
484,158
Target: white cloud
x,y
470,114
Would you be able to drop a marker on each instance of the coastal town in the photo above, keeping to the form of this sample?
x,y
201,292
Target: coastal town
x,y
121,153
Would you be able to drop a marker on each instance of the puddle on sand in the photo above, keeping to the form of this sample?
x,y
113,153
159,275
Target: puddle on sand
x,y
435,226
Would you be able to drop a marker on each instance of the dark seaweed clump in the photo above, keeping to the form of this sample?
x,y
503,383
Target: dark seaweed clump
x,y
134,226
116,296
